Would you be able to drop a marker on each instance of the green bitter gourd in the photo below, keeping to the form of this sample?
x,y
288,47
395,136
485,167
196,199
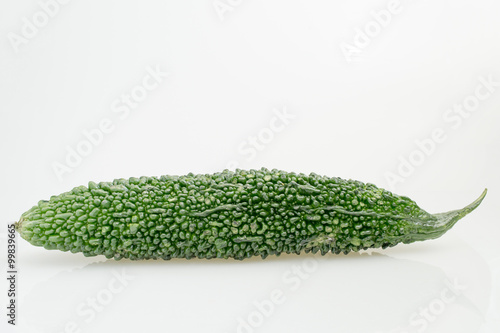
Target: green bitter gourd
x,y
231,214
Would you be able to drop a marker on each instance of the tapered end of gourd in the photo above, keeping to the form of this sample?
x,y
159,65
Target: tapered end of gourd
x,y
18,226
24,228
442,222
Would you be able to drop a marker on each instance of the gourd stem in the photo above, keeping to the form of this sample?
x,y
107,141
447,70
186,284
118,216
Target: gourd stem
x,y
444,221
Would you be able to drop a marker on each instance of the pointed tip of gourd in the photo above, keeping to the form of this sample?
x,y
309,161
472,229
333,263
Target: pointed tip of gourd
x,y
443,222
477,202
17,225
460,213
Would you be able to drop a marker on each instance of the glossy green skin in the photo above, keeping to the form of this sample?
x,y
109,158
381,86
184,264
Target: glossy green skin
x,y
232,214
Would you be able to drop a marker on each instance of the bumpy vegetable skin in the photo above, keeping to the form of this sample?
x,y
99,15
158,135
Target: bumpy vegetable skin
x,y
232,214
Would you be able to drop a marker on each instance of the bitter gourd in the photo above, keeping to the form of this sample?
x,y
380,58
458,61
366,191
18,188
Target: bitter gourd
x,y
231,214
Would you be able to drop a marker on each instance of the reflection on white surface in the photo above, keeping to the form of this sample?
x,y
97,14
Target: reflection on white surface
x,y
353,293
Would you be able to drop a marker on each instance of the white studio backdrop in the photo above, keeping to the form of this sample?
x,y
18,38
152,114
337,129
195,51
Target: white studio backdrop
x,y
403,94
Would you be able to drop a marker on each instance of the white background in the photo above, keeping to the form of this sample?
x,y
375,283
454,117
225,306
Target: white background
x,y
352,114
